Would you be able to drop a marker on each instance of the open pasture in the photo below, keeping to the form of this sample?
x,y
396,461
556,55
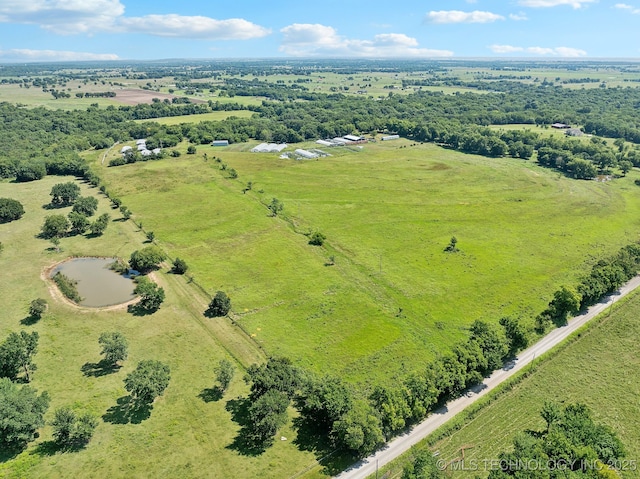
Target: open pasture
x,y
188,432
211,116
393,299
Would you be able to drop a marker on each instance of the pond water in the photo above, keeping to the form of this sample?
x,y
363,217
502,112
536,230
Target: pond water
x,y
98,286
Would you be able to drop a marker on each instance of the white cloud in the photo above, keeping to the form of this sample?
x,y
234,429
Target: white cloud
x,y
569,52
518,16
193,27
63,16
23,54
457,16
541,51
624,6
68,17
564,52
505,49
313,40
554,3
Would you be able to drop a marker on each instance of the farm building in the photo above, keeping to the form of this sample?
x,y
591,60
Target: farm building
x,y
390,137
124,149
560,126
220,143
574,132
306,154
353,138
325,143
269,148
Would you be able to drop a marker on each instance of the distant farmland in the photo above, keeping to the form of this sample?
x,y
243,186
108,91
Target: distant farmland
x,y
135,96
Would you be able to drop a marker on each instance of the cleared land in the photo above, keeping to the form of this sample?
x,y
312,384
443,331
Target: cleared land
x,y
135,96
212,116
393,299
188,433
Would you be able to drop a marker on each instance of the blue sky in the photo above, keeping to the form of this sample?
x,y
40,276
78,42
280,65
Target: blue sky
x,y
62,30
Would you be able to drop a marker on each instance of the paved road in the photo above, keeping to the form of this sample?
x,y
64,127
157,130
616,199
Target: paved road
x,y
401,444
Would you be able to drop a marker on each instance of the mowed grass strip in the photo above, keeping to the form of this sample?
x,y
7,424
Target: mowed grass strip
x,y
184,436
393,299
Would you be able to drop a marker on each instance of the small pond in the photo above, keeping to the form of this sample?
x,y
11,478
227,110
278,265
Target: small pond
x,y
97,284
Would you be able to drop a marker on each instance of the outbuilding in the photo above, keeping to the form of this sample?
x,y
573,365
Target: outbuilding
x,y
220,143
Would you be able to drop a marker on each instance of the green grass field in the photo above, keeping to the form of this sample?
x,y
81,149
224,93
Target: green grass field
x,y
393,299
212,116
185,436
600,368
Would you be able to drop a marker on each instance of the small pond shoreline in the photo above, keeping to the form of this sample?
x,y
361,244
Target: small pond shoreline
x,y
48,271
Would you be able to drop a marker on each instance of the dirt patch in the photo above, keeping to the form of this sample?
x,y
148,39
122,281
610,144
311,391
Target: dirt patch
x,y
135,97
439,167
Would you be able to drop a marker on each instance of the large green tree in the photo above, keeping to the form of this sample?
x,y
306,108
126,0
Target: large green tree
x,y
267,414
148,380
86,205
359,430
79,223
99,225
220,305
16,354
64,194
573,445
10,210
151,295
224,373
146,259
21,413
115,347
71,430
55,226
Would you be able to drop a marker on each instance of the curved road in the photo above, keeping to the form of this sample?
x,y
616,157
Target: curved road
x,y
367,467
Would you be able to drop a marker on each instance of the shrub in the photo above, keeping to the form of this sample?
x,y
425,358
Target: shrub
x,y
10,210
37,308
180,266
119,161
317,239
67,286
220,305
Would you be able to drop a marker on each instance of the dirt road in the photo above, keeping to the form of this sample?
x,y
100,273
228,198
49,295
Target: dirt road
x,y
401,444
